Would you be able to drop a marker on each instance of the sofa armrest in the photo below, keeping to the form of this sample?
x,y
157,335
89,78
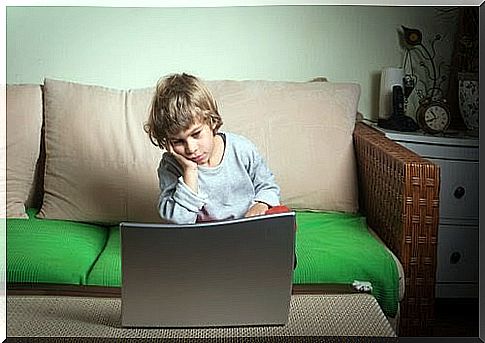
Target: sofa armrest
x,y
399,195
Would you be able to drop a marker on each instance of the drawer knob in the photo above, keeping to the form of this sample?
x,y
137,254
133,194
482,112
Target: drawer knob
x,y
459,192
455,257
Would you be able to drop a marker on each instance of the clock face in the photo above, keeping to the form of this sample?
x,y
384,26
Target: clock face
x,y
436,118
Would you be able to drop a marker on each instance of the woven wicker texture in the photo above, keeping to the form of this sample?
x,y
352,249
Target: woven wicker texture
x,y
310,315
399,193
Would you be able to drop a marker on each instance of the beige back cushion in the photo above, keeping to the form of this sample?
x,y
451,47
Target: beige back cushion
x,y
304,130
102,167
24,126
100,164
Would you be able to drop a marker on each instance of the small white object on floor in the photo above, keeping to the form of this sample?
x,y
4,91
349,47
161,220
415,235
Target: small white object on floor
x,y
362,286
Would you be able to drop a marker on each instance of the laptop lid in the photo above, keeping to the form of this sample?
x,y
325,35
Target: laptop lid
x,y
227,273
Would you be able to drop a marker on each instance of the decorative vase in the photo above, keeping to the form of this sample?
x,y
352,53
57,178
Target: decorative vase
x,y
468,99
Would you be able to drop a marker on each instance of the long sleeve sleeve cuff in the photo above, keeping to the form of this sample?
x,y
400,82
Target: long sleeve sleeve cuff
x,y
185,197
268,197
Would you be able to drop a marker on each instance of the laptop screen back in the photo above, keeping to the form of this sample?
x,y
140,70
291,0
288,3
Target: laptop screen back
x,y
228,273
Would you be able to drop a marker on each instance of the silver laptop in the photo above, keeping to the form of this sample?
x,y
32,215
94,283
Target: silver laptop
x,y
227,273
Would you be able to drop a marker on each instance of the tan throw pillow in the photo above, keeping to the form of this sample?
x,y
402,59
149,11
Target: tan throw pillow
x,y
24,125
304,130
100,164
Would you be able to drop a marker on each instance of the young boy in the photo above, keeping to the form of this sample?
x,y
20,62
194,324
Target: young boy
x,y
205,174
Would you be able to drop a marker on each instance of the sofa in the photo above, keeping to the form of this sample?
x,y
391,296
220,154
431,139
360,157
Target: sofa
x,y
79,163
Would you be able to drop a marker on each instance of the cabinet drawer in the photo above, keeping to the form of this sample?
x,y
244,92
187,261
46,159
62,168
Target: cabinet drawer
x,y
457,254
457,290
459,190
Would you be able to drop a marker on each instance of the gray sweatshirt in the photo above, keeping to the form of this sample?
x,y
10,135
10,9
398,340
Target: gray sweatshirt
x,y
225,191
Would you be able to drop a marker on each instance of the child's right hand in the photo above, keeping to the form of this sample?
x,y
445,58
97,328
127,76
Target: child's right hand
x,y
190,175
184,162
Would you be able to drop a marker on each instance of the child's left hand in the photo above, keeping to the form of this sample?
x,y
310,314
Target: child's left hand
x,y
257,209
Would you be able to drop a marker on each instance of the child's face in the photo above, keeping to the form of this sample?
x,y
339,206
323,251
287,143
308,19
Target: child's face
x,y
195,144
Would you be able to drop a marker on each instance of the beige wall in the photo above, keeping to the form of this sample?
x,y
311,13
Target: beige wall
x,y
133,47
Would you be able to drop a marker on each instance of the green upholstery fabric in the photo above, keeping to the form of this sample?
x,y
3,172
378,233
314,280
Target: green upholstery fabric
x,y
338,248
51,251
331,248
107,270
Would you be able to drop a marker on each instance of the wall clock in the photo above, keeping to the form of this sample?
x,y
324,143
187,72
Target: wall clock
x,y
433,116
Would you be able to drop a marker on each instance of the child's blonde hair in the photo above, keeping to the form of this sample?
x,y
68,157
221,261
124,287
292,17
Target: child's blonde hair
x,y
179,101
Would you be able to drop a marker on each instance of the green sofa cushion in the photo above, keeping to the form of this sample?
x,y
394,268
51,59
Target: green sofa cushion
x,y
338,248
51,251
107,270
333,248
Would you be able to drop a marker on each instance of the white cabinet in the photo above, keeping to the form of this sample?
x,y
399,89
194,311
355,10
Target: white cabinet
x,y
458,158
